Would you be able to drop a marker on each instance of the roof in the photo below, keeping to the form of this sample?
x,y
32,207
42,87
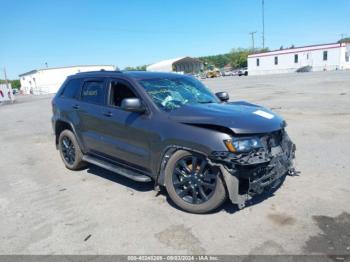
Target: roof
x,y
139,75
296,49
150,75
29,73
44,69
167,65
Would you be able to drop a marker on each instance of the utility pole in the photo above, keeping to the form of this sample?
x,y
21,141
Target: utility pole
x,y
342,35
7,86
6,82
263,23
253,42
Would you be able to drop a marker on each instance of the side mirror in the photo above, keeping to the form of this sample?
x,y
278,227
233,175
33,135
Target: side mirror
x,y
223,96
132,105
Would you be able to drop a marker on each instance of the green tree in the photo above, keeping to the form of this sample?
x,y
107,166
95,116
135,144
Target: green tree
x,y
344,40
237,58
137,68
15,84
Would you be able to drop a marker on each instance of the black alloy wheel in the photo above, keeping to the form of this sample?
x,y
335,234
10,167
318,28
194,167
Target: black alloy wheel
x,y
194,180
68,150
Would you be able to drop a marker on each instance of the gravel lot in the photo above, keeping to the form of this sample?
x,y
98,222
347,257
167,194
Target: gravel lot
x,y
47,209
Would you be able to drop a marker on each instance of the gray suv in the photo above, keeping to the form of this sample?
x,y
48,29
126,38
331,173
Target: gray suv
x,y
172,130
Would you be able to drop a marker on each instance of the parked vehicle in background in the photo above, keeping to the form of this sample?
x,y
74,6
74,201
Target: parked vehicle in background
x,y
227,73
235,72
213,73
203,75
172,130
243,72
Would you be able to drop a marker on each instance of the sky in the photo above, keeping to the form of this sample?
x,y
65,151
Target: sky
x,y
137,32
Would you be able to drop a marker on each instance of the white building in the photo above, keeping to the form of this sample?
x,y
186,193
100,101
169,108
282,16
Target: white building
x,y
49,80
186,65
316,57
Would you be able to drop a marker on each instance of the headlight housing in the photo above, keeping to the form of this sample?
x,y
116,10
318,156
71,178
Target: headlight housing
x,y
243,145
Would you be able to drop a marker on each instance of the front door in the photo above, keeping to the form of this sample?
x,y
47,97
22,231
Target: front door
x,y
126,135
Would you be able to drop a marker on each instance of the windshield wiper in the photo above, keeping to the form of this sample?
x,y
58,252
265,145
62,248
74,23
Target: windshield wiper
x,y
206,102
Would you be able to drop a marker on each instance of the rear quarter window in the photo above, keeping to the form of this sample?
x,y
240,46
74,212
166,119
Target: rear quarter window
x,y
71,89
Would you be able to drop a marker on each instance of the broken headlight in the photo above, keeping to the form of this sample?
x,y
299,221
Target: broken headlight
x,y
242,145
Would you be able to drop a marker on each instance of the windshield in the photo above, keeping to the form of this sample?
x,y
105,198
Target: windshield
x,y
171,93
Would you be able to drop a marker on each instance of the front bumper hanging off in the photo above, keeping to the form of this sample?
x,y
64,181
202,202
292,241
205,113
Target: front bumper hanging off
x,y
257,172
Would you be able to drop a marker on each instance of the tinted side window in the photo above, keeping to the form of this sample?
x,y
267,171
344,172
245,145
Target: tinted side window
x,y
92,92
71,89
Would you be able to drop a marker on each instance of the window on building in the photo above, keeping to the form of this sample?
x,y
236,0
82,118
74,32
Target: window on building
x,y
257,62
325,55
71,89
118,92
307,56
346,57
276,60
296,58
93,92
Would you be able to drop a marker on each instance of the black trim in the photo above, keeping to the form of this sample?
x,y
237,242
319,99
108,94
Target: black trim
x,y
117,169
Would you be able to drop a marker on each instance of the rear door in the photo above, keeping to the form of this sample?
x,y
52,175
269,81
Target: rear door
x,y
90,111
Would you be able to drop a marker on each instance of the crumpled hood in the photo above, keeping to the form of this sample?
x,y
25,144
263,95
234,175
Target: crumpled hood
x,y
241,117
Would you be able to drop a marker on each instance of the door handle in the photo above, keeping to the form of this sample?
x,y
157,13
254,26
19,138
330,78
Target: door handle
x,y
76,106
108,114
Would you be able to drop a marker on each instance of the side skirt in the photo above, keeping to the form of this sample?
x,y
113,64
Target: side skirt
x,y
117,169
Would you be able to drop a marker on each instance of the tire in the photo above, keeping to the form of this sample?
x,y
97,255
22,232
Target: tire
x,y
177,183
73,159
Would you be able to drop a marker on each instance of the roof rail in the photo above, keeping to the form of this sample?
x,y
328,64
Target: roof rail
x,y
100,71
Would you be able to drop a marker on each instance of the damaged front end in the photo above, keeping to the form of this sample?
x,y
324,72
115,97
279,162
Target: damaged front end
x,y
261,168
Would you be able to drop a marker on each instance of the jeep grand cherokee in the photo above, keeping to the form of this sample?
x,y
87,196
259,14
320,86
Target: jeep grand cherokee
x,y
172,130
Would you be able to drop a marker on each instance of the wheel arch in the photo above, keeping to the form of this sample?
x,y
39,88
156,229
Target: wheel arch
x,y
61,125
166,155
